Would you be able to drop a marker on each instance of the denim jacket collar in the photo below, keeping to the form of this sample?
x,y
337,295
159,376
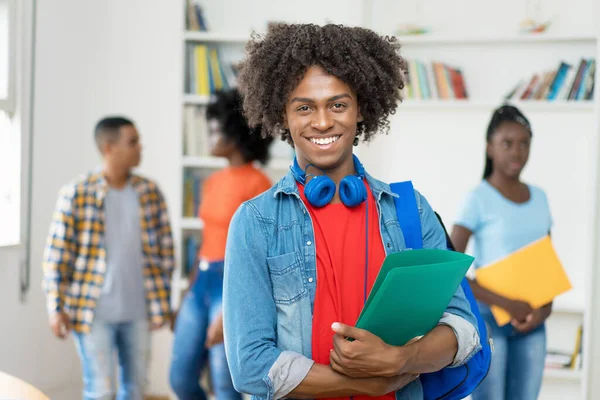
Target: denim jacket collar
x,y
287,185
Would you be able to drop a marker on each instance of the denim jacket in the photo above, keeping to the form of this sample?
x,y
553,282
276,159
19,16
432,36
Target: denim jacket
x,y
270,283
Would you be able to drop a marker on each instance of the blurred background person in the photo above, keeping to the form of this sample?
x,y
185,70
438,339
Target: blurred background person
x,y
104,278
504,214
199,324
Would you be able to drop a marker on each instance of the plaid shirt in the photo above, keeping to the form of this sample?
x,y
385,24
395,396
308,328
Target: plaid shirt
x,y
75,257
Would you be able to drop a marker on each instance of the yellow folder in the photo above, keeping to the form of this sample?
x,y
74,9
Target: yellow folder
x,y
533,274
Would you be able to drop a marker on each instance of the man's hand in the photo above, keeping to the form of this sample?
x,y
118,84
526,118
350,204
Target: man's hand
x,y
173,320
60,324
519,310
214,335
154,326
366,356
533,320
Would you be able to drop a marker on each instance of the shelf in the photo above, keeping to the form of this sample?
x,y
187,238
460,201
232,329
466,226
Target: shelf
x,y
204,162
470,105
439,39
192,224
558,308
218,162
563,374
195,99
216,37
184,282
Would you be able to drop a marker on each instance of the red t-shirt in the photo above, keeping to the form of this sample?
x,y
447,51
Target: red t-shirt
x,y
340,240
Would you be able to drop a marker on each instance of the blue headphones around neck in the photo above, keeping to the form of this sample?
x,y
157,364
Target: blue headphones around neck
x,y
320,189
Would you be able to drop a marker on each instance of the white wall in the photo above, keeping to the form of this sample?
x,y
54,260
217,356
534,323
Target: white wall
x,y
93,58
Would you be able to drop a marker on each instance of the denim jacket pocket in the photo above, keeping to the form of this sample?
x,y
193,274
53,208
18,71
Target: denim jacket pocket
x,y
286,278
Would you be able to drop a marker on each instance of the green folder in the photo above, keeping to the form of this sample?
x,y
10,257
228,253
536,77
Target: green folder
x,y
411,292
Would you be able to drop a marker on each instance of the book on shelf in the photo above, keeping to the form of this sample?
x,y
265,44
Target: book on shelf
x,y
434,81
568,82
195,20
566,360
206,72
195,131
192,190
192,246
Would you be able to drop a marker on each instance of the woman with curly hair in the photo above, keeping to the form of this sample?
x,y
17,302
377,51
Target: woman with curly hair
x,y
296,274
199,324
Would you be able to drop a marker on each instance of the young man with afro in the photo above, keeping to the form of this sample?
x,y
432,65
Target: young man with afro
x,y
295,265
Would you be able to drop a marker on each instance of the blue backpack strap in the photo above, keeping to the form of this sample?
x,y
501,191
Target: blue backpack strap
x,y
408,214
448,383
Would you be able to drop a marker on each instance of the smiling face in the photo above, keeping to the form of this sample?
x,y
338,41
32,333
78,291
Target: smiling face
x,y
509,148
322,116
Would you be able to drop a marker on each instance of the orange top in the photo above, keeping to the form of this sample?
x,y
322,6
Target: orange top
x,y
222,193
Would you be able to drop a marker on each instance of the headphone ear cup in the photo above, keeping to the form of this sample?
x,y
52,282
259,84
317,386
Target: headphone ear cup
x,y
352,191
319,191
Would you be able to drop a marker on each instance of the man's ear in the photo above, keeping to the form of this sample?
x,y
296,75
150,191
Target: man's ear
x,y
106,147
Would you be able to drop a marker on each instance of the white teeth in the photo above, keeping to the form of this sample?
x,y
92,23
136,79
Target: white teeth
x,y
324,141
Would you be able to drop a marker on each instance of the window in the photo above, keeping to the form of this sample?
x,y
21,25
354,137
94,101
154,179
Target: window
x,y
10,139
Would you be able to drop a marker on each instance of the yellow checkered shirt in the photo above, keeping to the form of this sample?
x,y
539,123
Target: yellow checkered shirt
x,y
75,258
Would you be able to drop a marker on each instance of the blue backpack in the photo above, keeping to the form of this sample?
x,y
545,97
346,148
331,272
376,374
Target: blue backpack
x,y
449,383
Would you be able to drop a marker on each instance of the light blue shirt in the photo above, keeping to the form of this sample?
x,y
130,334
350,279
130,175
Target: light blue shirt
x,y
501,226
123,296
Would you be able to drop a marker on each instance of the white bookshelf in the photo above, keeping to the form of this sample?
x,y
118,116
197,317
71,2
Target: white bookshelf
x,y
194,99
506,39
216,37
276,164
191,224
563,375
231,48
474,105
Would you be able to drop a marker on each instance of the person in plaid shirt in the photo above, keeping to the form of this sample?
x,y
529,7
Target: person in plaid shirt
x,y
108,265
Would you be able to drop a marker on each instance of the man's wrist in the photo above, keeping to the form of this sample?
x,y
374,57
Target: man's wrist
x,y
404,358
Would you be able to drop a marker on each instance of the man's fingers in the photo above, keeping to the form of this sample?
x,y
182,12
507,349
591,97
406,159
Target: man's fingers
x,y
335,361
349,331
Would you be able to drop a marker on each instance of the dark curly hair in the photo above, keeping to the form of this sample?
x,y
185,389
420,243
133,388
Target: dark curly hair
x,y
370,64
226,107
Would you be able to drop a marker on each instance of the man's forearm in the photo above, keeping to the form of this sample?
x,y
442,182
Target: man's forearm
x,y
431,353
323,382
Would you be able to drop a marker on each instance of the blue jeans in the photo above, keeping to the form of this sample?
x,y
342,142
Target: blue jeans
x,y
131,343
200,306
517,363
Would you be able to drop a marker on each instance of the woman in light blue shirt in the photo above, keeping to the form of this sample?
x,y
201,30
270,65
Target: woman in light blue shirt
x,y
503,214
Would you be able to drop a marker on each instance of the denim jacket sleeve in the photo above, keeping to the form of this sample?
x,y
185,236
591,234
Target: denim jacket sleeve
x,y
458,315
256,365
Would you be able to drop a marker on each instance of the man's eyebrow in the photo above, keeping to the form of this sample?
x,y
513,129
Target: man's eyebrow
x,y
333,98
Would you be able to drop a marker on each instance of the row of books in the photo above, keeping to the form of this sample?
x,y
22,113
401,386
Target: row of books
x,y
567,82
195,17
434,81
196,141
567,360
192,185
206,73
195,131
192,246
